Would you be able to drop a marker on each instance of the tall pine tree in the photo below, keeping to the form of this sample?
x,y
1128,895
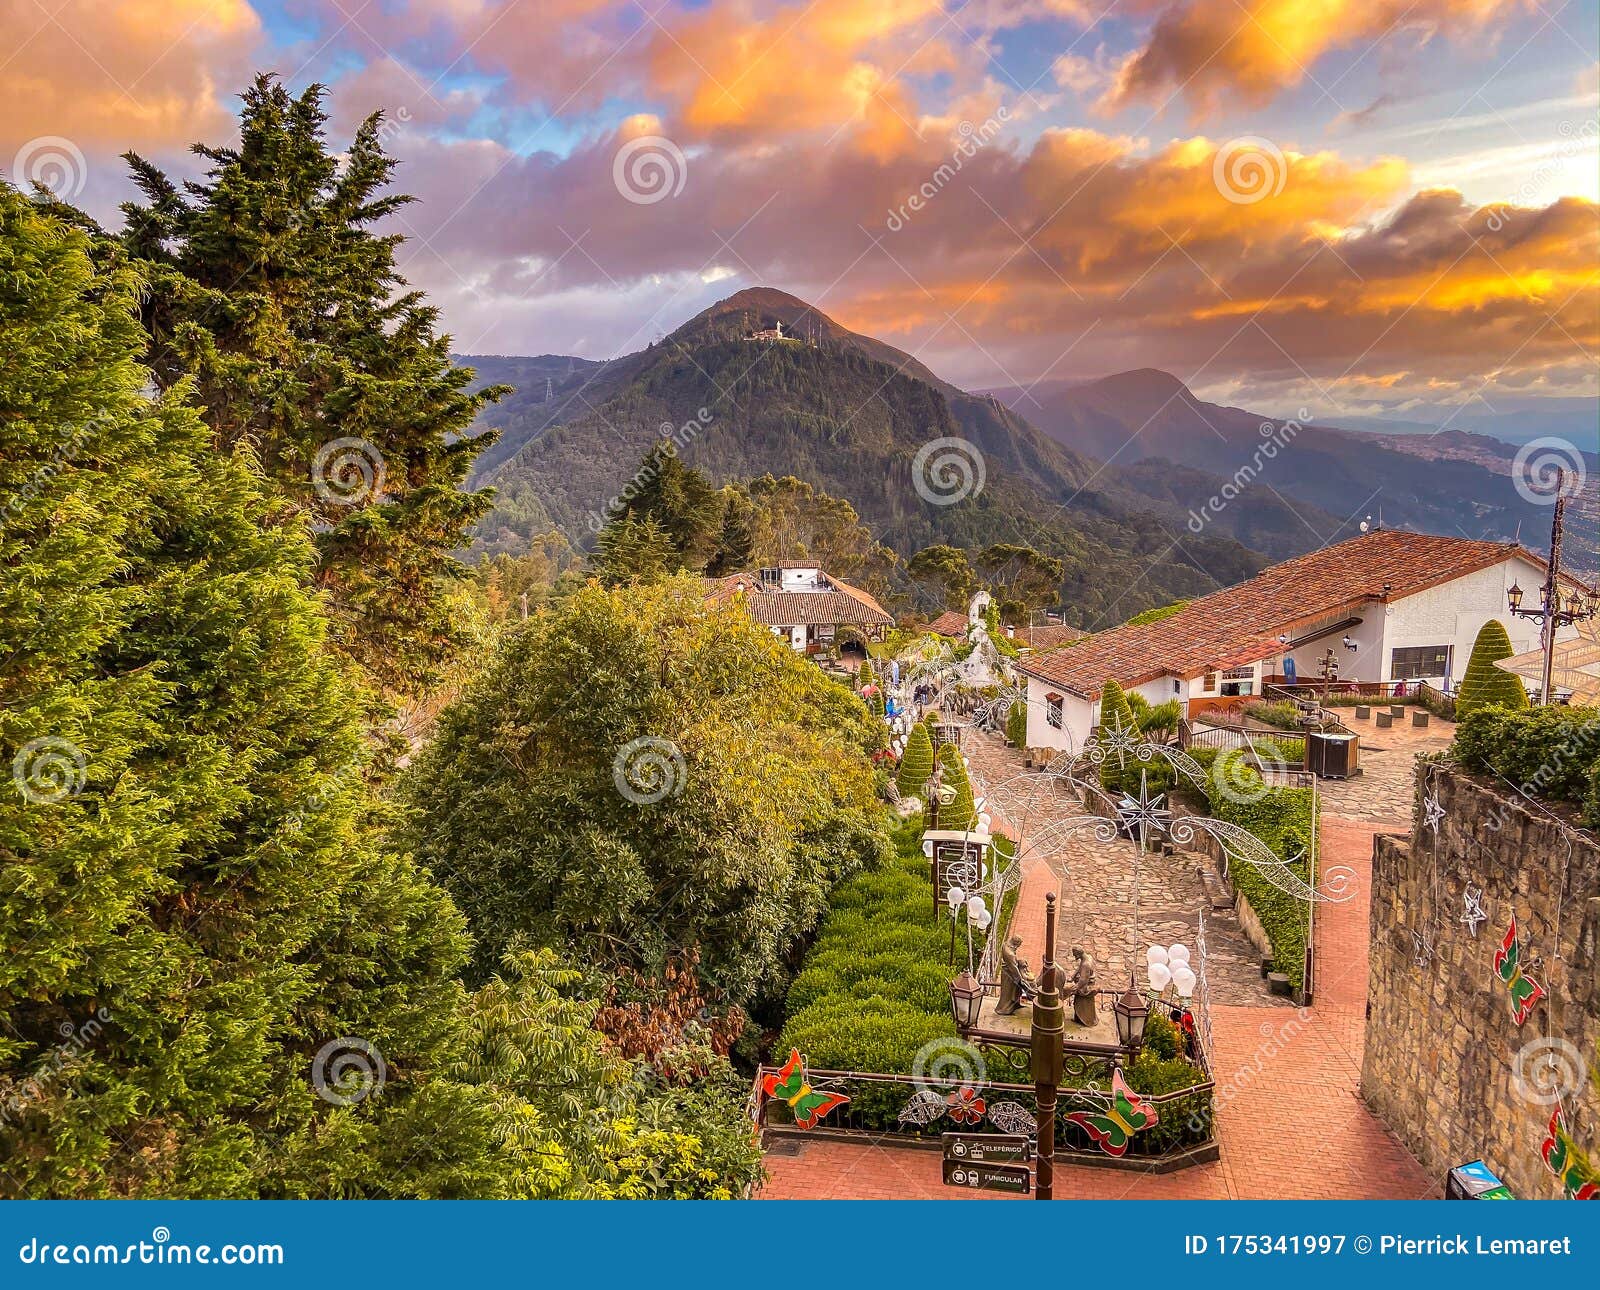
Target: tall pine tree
x,y
271,291
191,900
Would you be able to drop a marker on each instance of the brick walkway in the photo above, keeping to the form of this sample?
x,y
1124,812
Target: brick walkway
x,y
1289,1115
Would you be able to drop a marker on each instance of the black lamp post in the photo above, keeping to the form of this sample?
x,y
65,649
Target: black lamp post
x,y
966,1000
1551,613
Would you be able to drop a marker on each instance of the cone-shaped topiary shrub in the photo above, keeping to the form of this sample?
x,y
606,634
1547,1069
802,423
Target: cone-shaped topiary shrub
x,y
960,813
916,764
1486,685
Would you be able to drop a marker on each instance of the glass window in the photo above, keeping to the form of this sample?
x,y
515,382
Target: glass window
x,y
1416,662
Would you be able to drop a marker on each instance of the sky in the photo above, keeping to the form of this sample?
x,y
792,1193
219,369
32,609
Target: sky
x,y
1342,206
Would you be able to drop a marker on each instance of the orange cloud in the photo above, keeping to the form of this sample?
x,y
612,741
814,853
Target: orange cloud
x,y
1250,50
135,74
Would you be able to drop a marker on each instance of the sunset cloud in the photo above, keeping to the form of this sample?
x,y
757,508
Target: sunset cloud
x,y
1248,51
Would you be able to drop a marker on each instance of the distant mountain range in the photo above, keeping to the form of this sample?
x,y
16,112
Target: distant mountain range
x,y
1447,483
1146,492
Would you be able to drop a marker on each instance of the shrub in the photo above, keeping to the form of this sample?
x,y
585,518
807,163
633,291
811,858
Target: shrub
x,y
916,763
1486,685
1017,724
1282,819
1550,752
961,812
1280,713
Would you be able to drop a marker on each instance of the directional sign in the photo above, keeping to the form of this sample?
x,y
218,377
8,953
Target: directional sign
x,y
990,1148
1017,1179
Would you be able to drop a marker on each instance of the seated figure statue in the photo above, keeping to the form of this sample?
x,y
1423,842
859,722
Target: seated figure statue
x,y
1016,982
1083,998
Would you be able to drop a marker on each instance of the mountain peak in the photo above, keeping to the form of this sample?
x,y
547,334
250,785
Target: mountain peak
x,y
1144,382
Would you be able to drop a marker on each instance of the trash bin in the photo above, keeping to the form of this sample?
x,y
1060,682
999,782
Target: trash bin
x,y
1475,1181
1332,756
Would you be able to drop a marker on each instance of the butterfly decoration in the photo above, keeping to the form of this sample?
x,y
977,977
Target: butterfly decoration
x,y
1113,1128
1556,1152
966,1106
1525,991
789,1084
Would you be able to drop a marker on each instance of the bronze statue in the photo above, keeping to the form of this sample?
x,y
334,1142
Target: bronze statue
x,y
1083,998
1016,982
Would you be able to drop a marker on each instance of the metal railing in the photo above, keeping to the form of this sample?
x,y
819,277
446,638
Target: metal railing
x,y
909,1110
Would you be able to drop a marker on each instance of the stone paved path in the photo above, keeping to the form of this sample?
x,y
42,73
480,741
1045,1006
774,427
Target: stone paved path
x,y
1289,1115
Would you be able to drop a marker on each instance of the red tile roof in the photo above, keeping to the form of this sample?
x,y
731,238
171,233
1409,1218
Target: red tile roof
x,y
840,604
1241,624
1042,639
953,622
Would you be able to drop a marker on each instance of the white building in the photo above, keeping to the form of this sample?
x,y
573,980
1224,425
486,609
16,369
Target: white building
x,y
808,607
1392,607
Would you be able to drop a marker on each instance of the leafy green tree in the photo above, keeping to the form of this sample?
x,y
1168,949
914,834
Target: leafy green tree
x,y
641,773
272,296
190,890
1116,714
796,523
1484,684
916,763
960,812
947,570
1017,724
1020,578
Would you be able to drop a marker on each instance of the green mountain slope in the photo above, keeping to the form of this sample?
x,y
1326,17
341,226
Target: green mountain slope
x,y
849,415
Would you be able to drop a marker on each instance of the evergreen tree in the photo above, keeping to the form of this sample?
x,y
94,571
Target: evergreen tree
x,y
736,539
270,291
916,763
189,888
682,502
1017,723
960,812
1484,684
634,549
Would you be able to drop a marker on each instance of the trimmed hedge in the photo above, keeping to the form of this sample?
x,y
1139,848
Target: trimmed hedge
x,y
1548,752
1017,724
1281,818
962,812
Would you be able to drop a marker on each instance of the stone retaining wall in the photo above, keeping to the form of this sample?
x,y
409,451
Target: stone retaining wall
x,y
1445,1065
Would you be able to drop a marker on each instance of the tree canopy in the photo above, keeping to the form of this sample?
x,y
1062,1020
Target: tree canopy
x,y
1484,684
639,773
272,297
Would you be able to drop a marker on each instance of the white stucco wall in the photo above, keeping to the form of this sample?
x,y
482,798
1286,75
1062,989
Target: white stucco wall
x,y
1077,718
1452,613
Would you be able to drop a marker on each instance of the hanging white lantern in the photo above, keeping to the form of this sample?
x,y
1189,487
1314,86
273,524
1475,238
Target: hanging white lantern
x,y
1155,954
1177,954
955,896
1183,981
976,908
983,821
1160,977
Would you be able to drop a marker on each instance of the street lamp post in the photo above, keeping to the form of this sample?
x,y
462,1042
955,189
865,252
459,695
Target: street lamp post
x,y
1049,1027
1551,613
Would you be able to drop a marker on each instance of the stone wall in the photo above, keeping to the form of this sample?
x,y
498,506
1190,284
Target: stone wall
x,y
1445,1065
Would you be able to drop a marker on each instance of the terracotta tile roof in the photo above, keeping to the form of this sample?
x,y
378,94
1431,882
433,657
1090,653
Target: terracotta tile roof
x,y
1241,624
1042,639
953,622
842,604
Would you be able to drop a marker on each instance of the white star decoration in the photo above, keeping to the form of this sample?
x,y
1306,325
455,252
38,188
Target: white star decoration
x,y
1144,810
1432,812
1120,740
1472,901
1422,949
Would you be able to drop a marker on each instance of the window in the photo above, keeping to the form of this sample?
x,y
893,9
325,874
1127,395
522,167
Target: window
x,y
1239,680
1418,661
1052,710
